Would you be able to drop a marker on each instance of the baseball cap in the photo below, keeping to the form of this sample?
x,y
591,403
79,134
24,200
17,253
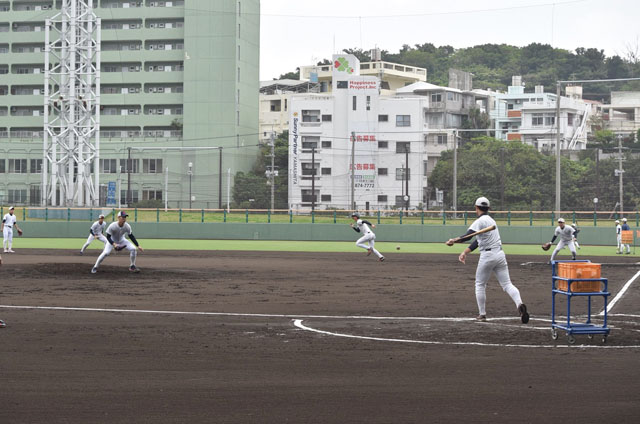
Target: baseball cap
x,y
100,216
122,214
617,222
482,202
624,219
11,207
356,214
560,219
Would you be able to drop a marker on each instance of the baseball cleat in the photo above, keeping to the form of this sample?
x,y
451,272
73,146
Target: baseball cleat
x,y
11,251
524,315
481,318
94,270
133,268
381,259
81,252
369,251
2,324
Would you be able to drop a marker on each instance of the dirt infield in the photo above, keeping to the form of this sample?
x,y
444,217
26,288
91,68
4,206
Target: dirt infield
x,y
268,337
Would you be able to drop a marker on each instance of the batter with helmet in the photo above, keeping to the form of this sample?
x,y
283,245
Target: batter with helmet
x,y
566,233
492,259
368,239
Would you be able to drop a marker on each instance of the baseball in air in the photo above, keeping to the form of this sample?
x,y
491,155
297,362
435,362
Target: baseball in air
x,y
397,247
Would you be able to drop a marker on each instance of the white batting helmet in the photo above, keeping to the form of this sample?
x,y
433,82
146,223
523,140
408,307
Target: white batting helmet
x,y
356,214
617,222
560,219
624,219
482,202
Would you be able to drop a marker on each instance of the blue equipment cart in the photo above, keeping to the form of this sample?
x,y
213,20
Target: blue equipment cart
x,y
570,328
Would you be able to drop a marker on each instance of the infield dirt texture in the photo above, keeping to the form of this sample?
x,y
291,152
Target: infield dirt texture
x,y
261,337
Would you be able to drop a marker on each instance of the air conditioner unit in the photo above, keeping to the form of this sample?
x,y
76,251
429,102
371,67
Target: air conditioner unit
x,y
153,4
151,47
160,68
136,89
152,25
160,89
150,69
161,25
138,68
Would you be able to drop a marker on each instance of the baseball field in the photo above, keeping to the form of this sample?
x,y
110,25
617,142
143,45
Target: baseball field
x,y
274,332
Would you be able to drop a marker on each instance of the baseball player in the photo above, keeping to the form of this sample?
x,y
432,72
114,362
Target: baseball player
x,y
95,233
619,237
566,239
368,240
492,260
624,227
575,235
116,233
8,222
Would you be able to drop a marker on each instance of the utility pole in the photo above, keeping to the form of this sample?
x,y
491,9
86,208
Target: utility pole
x,y
228,189
559,84
166,189
313,179
272,172
406,180
353,170
455,172
129,164
220,180
620,172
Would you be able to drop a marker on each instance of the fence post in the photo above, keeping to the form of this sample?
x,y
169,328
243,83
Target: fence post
x,y
135,215
246,216
68,214
24,214
422,217
378,216
91,214
466,216
334,216
224,219
530,218
113,212
201,215
313,217
290,216
157,214
637,219
180,218
269,216
401,216
553,218
444,217
46,214
595,219
509,217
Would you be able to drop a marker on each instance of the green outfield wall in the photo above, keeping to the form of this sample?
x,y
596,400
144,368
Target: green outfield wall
x,y
318,232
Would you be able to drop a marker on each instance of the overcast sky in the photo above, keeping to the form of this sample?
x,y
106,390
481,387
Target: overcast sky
x,y
301,32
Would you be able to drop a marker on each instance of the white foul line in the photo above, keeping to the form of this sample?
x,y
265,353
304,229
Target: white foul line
x,y
620,293
298,323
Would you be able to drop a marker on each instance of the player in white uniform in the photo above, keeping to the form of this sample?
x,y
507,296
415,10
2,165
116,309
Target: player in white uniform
x,y
492,260
624,227
116,233
8,223
619,237
566,239
95,233
368,240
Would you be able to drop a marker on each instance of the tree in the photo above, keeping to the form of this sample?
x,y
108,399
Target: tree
x,y
290,75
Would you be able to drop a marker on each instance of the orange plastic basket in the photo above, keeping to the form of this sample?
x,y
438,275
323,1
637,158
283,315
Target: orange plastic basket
x,y
573,270
627,236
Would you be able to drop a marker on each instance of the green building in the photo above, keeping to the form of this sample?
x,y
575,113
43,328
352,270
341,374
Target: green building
x,y
177,78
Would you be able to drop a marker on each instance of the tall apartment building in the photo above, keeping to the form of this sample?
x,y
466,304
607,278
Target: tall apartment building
x,y
174,75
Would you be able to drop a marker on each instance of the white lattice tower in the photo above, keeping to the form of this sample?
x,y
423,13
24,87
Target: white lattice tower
x,y
70,169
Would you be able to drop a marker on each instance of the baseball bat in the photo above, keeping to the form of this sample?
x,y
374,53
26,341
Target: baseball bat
x,y
484,230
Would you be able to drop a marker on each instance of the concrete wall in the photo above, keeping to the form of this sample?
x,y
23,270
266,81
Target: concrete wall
x,y
318,232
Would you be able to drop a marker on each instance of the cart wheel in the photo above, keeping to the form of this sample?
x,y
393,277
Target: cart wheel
x,y
590,336
571,339
604,338
554,334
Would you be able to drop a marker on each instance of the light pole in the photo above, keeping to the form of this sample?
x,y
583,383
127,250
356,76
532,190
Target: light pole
x,y
190,173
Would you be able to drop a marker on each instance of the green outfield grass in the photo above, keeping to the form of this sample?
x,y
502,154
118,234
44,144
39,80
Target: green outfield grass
x,y
303,246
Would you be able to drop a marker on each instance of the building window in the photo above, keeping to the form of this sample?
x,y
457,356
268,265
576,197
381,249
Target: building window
x,y
108,166
403,120
570,119
36,166
129,165
151,166
17,166
326,144
326,118
400,174
549,121
383,171
151,194
383,118
134,196
425,167
441,139
35,194
17,196
400,203
325,198
309,196
383,144
355,102
308,169
326,171
382,198
342,84
537,120
309,142
436,98
310,116
403,147
368,102
2,166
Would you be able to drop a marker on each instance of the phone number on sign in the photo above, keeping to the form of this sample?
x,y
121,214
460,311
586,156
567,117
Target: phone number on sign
x,y
364,185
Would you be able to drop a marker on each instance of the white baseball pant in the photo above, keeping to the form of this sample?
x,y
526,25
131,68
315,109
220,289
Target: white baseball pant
x,y
91,238
619,241
7,241
108,248
494,261
367,242
561,245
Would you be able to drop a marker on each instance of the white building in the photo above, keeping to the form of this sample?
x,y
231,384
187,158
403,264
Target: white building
x,y
382,137
531,117
623,114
